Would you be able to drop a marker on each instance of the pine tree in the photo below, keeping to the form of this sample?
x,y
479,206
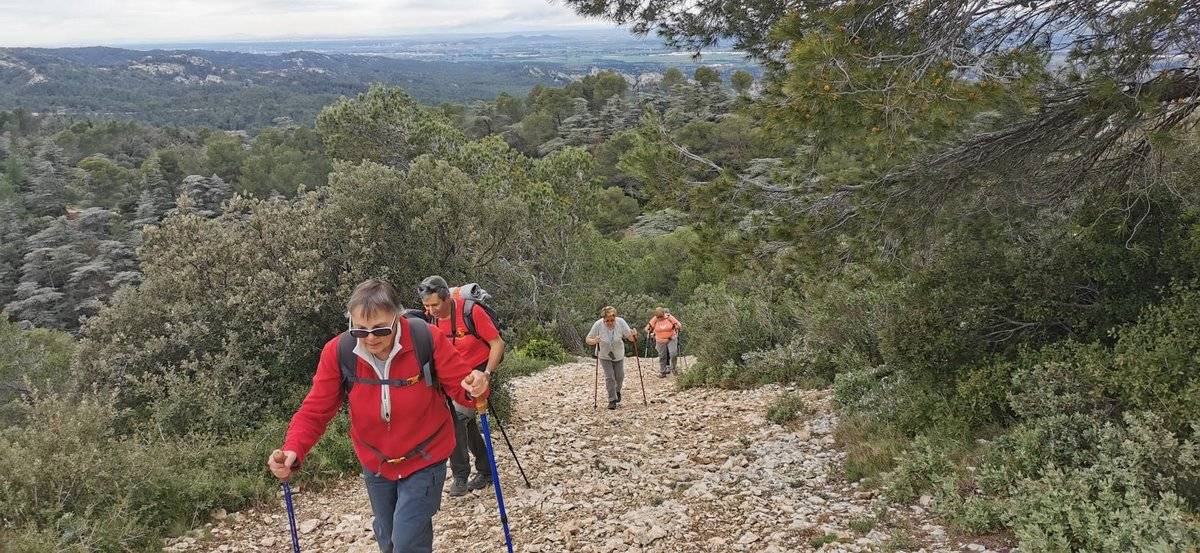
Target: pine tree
x,y
741,81
13,230
71,268
716,99
581,127
672,77
615,116
686,104
202,196
157,197
49,175
46,267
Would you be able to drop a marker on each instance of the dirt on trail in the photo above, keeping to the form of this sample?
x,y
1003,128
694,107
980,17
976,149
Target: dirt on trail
x,y
694,470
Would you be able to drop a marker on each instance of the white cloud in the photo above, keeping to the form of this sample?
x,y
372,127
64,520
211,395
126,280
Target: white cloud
x,y
95,22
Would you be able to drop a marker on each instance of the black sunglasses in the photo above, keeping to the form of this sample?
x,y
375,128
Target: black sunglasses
x,y
429,289
378,331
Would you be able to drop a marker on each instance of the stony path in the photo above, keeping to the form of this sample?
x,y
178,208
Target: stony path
x,y
695,470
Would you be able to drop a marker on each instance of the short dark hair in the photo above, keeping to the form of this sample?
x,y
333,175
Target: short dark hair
x,y
433,285
373,295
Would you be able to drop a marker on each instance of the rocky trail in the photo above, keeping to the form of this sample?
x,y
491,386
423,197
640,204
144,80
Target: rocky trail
x,y
695,470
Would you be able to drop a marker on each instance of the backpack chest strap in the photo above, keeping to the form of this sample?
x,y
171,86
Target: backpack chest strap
x,y
395,382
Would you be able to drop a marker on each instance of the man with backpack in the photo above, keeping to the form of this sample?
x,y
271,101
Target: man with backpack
x,y
462,314
665,329
394,373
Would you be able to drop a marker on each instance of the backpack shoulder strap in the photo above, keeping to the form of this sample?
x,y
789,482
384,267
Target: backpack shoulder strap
x,y
422,340
347,360
469,317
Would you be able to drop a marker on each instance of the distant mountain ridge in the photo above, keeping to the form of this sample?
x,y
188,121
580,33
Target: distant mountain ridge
x,y
165,86
241,90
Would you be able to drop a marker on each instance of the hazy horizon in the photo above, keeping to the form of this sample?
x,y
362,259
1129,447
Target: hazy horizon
x,y
123,24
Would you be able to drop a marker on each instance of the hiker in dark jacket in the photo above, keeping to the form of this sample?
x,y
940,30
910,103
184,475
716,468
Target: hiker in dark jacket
x,y
401,428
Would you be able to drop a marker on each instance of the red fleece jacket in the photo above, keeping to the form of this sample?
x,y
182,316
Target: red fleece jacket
x,y
419,413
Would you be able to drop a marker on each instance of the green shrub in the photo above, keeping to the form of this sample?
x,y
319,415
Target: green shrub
x,y
862,525
972,514
1071,482
1024,451
981,395
66,479
897,400
517,365
734,323
923,466
787,407
871,448
791,362
543,349
842,317
818,541
30,539
858,390
1092,510
30,360
1058,381
1154,362
726,375
525,331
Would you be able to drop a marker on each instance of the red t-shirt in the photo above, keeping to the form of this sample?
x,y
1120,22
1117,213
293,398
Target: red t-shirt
x,y
473,350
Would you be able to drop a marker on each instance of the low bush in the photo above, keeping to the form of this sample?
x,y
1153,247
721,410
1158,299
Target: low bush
x,y
786,408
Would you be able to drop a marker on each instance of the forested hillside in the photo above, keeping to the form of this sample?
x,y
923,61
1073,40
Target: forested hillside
x,y
978,225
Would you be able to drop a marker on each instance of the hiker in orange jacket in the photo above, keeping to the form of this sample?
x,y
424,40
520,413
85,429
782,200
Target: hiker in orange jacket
x,y
665,331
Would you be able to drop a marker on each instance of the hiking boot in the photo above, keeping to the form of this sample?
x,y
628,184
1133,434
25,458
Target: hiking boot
x,y
612,405
479,482
618,397
662,375
459,488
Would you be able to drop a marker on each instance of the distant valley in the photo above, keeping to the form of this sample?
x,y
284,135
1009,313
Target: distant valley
x,y
254,84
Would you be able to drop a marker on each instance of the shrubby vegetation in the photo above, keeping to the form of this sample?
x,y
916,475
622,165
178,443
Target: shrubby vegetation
x,y
989,253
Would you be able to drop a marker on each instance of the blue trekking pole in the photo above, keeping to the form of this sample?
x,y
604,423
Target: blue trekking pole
x,y
481,407
287,498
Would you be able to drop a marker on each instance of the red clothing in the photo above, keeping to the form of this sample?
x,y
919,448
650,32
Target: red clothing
x,y
473,350
419,412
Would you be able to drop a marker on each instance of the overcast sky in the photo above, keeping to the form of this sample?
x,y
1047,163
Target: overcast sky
x,y
115,22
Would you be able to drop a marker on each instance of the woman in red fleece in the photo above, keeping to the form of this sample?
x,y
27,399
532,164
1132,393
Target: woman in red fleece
x,y
402,431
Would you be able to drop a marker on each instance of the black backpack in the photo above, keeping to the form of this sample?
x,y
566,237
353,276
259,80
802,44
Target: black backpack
x,y
422,341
